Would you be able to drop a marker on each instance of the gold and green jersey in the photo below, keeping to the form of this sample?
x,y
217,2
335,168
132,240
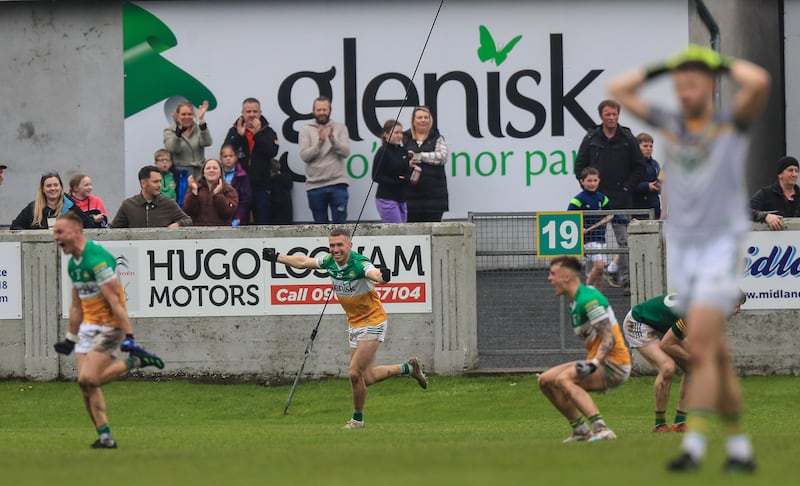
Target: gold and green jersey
x,y
354,290
95,267
589,308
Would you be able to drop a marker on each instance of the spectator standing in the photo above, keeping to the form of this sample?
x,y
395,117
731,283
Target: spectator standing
x,y
211,201
281,211
50,203
172,185
594,227
647,194
235,175
80,190
187,139
255,144
391,169
776,201
428,198
150,208
614,151
324,146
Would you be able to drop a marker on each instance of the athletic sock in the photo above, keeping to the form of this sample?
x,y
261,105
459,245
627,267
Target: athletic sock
x,y
131,362
575,423
358,415
694,442
737,443
104,431
597,422
405,368
661,417
680,416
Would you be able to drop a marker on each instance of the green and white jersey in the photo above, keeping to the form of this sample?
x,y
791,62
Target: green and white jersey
x,y
661,313
354,290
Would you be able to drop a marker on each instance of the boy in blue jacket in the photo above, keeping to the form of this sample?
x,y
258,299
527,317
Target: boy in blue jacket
x,y
590,199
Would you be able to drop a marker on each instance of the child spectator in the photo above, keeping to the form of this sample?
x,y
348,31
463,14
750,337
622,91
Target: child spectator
x,y
94,212
281,181
170,180
590,199
235,175
647,193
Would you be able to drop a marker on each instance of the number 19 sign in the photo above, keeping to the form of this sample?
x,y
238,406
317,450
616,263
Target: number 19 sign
x,y
559,233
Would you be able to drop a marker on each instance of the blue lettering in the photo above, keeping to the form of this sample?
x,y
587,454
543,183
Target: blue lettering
x,y
780,262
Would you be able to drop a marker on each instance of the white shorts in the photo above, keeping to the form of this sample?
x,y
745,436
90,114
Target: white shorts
x,y
638,334
102,339
614,374
705,271
595,257
366,333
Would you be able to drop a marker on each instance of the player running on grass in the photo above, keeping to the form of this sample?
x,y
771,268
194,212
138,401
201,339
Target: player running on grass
x,y
644,327
354,278
705,188
607,366
98,322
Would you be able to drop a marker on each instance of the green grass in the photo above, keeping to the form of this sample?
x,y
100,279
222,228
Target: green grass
x,y
481,431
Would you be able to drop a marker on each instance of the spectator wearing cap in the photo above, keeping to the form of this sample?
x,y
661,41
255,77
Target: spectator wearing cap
x,y
2,168
776,201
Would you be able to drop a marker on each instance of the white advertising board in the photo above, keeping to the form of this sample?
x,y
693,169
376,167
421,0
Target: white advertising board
x,y
10,281
514,85
772,270
184,278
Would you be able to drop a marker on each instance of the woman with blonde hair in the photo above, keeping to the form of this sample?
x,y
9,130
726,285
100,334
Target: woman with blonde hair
x,y
211,201
50,203
187,139
428,198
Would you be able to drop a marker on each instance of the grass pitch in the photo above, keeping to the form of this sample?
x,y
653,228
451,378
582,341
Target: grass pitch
x,y
494,430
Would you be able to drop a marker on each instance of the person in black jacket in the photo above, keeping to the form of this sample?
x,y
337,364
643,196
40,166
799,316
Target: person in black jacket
x,y
391,169
614,151
256,144
428,199
776,201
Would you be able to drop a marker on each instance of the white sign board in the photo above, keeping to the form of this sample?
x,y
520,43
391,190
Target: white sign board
x,y
514,85
10,281
169,278
772,270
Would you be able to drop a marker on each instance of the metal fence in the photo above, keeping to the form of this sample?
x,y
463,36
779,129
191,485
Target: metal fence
x,y
521,322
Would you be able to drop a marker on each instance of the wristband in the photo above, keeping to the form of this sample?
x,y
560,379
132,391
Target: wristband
x,y
72,337
655,71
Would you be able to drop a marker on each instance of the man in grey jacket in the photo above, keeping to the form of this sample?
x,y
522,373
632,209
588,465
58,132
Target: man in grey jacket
x,y
324,147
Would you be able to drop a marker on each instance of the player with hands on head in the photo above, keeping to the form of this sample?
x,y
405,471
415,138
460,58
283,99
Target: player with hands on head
x,y
98,322
705,226
354,277
607,365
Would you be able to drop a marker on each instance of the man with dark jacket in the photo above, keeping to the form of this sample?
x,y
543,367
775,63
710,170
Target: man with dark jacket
x,y
614,151
778,200
150,208
256,144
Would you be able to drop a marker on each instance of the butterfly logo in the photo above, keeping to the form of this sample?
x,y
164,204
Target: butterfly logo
x,y
488,48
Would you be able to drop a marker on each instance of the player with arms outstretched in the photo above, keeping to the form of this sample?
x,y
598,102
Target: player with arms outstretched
x,y
705,187
607,366
354,277
98,322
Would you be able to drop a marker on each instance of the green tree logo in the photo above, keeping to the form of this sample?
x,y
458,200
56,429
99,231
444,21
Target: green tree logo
x,y
488,48
149,78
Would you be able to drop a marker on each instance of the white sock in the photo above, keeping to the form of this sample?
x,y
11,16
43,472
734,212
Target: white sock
x,y
582,429
739,447
694,444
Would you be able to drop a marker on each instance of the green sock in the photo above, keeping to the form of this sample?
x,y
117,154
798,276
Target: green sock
x,y
104,429
680,416
404,369
358,415
130,362
660,417
596,418
577,422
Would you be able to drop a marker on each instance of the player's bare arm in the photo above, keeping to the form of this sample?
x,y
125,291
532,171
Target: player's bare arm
x,y
111,291
625,89
379,275
295,261
75,313
753,91
675,348
608,340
